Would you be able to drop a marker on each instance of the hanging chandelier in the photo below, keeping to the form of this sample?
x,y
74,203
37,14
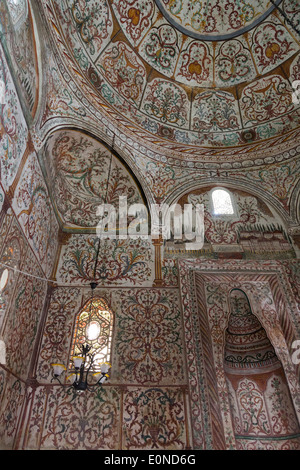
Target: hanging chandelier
x,y
85,362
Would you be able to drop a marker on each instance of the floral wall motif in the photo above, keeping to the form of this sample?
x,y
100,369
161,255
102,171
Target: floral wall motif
x,y
167,103
21,305
278,179
264,413
234,63
84,174
146,400
64,304
160,54
13,253
123,262
212,19
214,111
170,272
23,318
160,48
13,394
266,99
93,23
260,402
154,419
148,341
195,66
204,291
59,100
135,16
85,423
252,231
270,45
19,39
124,71
13,129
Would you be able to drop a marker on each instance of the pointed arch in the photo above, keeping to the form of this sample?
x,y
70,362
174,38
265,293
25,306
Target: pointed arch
x,y
260,401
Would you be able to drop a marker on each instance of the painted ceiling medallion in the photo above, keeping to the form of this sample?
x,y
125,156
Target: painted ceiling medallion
x,y
215,19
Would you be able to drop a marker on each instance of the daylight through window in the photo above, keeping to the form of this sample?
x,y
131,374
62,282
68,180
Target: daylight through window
x,y
222,203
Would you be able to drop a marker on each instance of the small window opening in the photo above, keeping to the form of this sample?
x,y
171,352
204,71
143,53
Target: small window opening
x,y
222,203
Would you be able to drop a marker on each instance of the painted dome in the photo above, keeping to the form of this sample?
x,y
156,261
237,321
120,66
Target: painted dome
x,y
213,92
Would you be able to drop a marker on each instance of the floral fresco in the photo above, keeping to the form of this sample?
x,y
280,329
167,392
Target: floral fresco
x,y
13,253
154,419
16,25
269,45
124,71
120,261
58,330
214,18
86,424
84,175
24,316
212,284
34,211
227,229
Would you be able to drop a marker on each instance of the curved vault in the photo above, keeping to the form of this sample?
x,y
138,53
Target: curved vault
x,y
248,347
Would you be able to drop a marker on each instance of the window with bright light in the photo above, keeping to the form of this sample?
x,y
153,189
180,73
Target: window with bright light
x,y
93,326
222,203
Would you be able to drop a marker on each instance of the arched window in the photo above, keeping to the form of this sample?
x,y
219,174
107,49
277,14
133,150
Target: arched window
x,y
222,202
259,397
94,326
